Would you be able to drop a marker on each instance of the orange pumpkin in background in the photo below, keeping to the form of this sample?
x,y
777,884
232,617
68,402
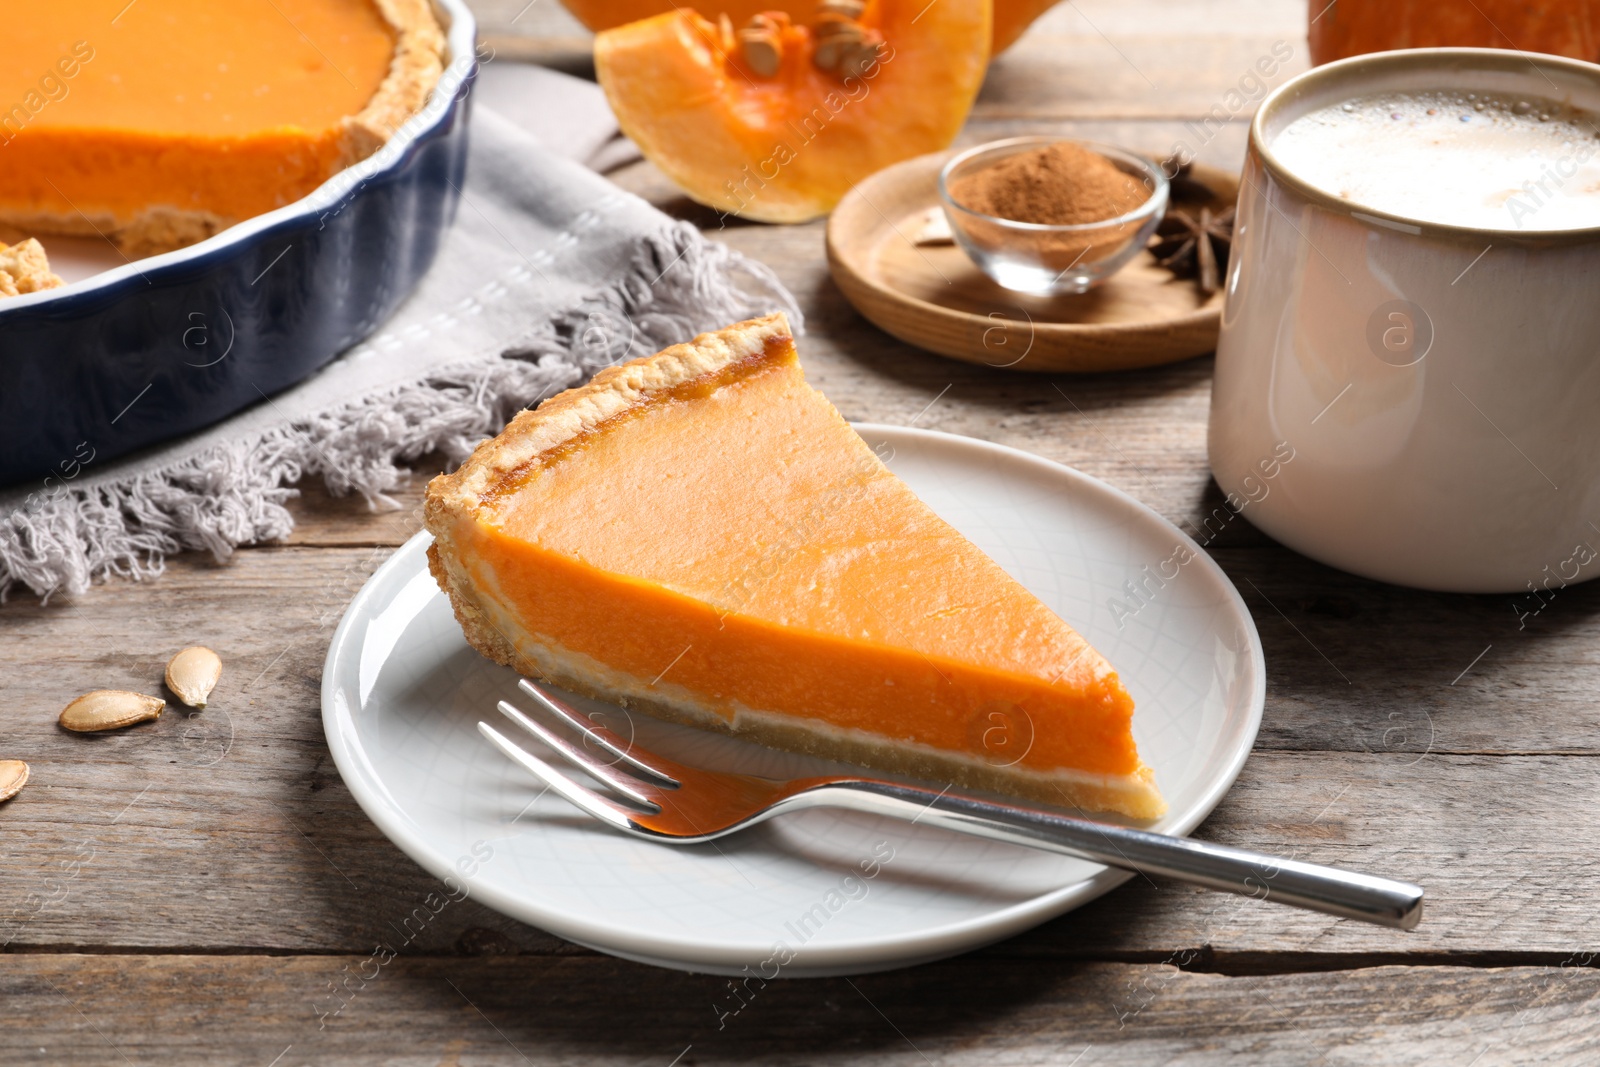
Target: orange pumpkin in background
x,y
1353,27
776,121
1011,17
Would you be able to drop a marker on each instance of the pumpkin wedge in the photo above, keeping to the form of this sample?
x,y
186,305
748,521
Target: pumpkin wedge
x,y
1011,17
769,122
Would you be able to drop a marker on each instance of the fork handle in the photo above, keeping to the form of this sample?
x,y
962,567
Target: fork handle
x,y
1231,870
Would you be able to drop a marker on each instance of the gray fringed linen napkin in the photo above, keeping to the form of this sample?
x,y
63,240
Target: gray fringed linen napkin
x,y
550,273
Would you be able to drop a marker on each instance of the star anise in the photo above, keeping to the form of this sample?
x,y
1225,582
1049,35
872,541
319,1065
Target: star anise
x,y
1196,248
1186,188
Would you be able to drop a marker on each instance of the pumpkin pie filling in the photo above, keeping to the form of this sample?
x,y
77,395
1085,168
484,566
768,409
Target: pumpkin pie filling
x,y
161,122
701,535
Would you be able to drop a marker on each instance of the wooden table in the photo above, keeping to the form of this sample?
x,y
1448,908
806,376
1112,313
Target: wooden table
x,y
191,891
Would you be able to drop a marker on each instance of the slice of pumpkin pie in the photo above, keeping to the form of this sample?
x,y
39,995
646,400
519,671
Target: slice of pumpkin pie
x,y
699,535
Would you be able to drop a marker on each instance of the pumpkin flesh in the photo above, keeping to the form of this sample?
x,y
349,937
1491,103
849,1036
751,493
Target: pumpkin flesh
x,y
786,148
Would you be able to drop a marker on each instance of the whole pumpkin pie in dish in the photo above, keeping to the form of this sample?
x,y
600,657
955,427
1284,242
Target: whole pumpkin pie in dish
x,y
700,535
159,123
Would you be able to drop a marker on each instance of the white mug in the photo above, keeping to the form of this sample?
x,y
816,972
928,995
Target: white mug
x,y
1412,402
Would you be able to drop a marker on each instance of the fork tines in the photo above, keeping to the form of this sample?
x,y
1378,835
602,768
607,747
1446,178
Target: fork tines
x,y
627,776
600,735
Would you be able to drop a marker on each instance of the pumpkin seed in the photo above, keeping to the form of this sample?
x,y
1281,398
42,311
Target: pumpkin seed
x,y
13,776
829,51
761,43
844,47
829,26
762,52
850,9
193,673
858,57
110,709
845,56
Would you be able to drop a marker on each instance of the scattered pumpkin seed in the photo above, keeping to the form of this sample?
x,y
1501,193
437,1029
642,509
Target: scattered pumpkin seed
x,y
110,709
13,776
192,674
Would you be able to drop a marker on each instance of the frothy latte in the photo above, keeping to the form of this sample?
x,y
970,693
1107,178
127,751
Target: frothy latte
x,y
1458,158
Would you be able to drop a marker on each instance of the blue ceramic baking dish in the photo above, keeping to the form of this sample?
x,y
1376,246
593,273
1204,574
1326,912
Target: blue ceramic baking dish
x,y
162,346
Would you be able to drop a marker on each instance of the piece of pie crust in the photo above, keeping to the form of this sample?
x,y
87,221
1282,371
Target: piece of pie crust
x,y
24,268
701,536
161,123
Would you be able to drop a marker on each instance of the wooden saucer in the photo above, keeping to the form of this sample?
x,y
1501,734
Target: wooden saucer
x,y
934,297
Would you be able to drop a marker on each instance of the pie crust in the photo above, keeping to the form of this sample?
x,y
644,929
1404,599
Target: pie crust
x,y
24,268
419,57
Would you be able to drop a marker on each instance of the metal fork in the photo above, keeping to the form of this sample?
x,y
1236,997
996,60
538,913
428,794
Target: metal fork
x,y
674,804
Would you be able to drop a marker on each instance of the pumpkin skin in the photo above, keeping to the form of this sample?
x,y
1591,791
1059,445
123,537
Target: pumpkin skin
x,y
1011,17
786,148
1354,27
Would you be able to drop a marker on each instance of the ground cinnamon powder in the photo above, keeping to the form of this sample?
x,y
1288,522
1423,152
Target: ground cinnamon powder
x,y
1061,184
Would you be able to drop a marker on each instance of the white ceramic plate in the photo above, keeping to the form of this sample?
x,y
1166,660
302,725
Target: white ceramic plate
x,y
840,892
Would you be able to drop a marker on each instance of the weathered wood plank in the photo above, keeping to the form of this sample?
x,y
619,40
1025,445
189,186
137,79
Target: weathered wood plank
x,y
1010,1013
224,808
325,521
238,856
240,833
1082,74
1162,18
1362,666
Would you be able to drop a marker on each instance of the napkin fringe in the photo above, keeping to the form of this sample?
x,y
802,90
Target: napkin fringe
x,y
677,284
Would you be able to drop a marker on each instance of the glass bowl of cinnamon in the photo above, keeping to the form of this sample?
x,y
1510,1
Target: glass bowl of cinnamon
x,y
1047,216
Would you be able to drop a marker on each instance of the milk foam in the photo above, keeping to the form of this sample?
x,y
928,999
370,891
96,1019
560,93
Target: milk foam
x,y
1464,159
